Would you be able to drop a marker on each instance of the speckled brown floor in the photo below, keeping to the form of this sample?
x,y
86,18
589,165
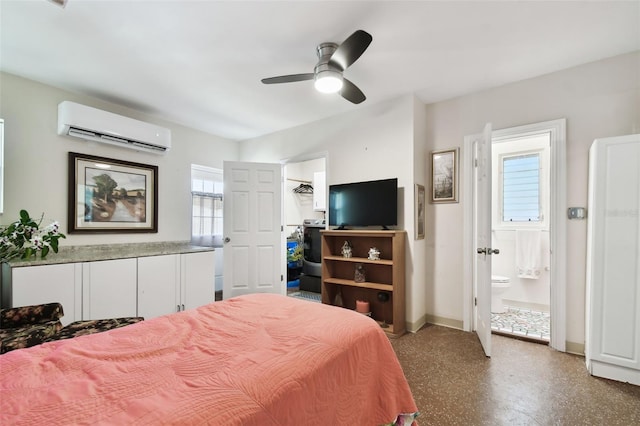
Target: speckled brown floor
x,y
523,383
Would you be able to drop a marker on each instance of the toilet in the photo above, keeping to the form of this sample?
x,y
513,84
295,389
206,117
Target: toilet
x,y
499,285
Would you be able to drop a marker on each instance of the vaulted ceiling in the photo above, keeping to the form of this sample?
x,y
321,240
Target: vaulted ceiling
x,y
199,63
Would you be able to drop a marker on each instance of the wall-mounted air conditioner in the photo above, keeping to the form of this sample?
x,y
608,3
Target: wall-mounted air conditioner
x,y
92,124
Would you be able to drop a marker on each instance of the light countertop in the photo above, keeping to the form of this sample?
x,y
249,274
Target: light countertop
x,y
91,253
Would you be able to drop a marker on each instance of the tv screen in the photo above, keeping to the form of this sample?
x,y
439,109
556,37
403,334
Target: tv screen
x,y
372,203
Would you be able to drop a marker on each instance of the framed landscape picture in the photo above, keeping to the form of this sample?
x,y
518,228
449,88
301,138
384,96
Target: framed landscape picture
x,y
444,176
419,213
115,196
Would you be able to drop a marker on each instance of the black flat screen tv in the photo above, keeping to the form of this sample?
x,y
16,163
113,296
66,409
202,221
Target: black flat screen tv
x,y
371,203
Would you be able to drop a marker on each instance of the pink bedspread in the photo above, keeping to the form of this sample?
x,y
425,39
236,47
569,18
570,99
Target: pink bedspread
x,y
259,359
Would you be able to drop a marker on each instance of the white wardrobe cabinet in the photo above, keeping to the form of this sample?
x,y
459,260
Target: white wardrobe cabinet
x,y
36,285
109,289
175,282
612,335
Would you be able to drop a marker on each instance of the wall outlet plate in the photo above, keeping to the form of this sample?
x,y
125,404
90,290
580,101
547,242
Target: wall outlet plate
x,y
576,213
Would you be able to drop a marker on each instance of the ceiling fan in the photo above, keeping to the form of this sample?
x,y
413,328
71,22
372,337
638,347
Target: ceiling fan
x,y
333,60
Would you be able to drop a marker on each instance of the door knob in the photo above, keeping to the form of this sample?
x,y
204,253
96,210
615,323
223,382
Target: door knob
x,y
227,239
482,251
495,251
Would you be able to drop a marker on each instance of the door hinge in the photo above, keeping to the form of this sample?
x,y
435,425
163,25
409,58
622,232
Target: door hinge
x,y
475,162
281,228
475,301
281,278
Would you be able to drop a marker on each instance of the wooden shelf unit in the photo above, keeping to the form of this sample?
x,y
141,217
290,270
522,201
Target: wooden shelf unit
x,y
386,274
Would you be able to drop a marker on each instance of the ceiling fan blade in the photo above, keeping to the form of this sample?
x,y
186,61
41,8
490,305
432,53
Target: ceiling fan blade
x,y
288,78
351,92
351,49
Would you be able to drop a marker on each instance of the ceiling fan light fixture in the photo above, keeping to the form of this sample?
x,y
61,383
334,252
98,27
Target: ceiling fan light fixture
x,y
328,81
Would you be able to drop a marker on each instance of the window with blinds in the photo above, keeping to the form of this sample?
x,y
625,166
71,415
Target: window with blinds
x,y
206,208
521,188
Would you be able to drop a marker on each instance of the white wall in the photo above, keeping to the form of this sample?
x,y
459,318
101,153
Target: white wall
x,y
376,142
417,271
598,99
389,139
36,161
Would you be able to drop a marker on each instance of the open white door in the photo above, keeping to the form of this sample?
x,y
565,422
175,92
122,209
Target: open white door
x,y
252,230
482,227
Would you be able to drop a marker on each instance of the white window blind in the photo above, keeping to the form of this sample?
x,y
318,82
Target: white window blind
x,y
206,209
521,188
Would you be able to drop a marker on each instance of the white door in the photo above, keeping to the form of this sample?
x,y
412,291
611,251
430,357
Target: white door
x,y
252,229
482,227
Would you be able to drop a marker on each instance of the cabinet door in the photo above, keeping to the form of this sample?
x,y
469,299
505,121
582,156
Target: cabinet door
x,y
198,278
319,191
109,289
158,285
34,285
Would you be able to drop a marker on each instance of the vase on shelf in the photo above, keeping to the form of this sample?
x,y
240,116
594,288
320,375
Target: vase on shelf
x,y
359,276
383,297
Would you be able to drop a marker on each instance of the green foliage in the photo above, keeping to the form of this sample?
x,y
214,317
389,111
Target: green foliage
x,y
24,238
105,185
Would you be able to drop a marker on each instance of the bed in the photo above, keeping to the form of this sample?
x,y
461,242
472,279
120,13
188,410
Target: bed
x,y
258,359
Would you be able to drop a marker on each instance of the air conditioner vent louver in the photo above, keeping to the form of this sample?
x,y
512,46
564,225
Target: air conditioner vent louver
x,y
92,124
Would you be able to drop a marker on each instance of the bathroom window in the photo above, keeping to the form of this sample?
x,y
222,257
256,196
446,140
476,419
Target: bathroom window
x,y
206,209
520,188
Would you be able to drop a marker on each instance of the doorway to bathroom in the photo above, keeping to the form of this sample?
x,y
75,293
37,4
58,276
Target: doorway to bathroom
x,y
541,296
520,207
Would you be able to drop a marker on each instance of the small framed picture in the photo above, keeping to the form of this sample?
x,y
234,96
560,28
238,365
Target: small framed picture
x,y
111,196
444,176
419,213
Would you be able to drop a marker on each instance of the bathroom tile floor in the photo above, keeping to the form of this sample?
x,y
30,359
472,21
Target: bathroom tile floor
x,y
522,323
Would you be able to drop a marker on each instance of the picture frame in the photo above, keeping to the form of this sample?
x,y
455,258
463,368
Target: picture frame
x,y
420,201
111,196
444,176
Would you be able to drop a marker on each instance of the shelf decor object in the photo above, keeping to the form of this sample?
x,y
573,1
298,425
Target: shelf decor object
x,y
346,249
385,274
374,254
383,297
359,275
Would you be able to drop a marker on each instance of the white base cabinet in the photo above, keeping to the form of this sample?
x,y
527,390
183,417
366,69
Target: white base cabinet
x,y
47,284
175,282
197,278
147,286
158,285
109,289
